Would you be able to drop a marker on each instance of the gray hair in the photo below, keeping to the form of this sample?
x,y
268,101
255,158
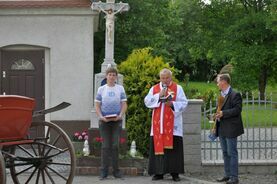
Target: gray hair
x,y
165,71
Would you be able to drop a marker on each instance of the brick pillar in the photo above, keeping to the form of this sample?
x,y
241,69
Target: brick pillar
x,y
192,136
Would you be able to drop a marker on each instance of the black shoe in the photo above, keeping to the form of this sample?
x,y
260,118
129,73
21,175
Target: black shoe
x,y
175,177
102,177
157,177
232,181
103,174
225,178
117,175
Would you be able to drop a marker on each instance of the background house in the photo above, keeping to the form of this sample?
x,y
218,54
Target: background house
x,y
46,52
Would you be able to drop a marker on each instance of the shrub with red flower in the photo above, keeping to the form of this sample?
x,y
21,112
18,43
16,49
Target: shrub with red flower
x,y
122,140
80,136
97,141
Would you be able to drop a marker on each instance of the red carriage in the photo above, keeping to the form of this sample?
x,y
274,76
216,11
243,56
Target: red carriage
x,y
33,156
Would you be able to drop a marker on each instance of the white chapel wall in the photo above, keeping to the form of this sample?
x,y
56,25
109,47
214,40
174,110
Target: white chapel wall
x,y
67,36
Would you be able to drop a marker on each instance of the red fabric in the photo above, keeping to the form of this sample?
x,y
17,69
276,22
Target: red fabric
x,y
163,140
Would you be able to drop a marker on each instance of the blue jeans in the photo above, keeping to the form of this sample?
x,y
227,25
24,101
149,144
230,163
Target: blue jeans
x,y
230,156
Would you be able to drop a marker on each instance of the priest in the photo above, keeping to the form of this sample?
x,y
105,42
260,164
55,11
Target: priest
x,y
168,101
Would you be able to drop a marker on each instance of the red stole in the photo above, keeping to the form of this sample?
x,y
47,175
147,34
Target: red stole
x,y
163,136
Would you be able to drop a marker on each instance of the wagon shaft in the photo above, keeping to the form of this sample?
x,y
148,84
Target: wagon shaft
x,y
52,109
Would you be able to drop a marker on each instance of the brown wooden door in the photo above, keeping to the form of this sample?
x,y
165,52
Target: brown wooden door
x,y
23,74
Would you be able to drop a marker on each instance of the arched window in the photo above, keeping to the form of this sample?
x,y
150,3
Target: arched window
x,y
22,64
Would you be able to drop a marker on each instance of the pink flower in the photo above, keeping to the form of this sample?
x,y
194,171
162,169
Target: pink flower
x,y
86,137
80,136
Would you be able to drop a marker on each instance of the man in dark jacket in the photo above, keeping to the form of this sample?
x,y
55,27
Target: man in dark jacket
x,y
228,127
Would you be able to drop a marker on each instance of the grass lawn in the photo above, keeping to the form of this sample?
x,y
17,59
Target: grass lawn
x,y
254,116
259,116
200,86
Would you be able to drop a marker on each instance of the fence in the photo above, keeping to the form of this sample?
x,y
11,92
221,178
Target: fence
x,y
259,141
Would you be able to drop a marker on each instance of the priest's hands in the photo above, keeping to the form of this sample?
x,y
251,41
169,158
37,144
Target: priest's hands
x,y
162,93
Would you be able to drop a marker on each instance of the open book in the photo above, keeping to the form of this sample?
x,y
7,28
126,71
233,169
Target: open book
x,y
166,98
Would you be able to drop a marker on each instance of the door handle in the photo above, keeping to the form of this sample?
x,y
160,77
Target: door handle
x,y
4,74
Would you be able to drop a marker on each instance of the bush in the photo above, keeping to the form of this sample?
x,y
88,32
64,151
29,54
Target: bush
x,y
141,72
208,92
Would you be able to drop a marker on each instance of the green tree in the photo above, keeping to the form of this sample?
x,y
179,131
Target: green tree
x,y
191,35
142,26
240,32
199,39
181,14
254,54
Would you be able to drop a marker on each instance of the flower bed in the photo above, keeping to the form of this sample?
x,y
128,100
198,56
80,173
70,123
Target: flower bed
x,y
95,142
78,139
80,136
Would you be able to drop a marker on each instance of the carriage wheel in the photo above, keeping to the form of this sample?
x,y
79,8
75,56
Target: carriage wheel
x,y
2,169
49,159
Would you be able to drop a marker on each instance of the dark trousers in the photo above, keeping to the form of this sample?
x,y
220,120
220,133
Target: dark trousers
x,y
110,133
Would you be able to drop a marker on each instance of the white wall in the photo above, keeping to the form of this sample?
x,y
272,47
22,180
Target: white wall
x,y
67,36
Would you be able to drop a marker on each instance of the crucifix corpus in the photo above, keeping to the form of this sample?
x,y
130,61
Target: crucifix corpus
x,y
110,8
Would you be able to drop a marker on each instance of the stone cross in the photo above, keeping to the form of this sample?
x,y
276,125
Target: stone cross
x,y
110,8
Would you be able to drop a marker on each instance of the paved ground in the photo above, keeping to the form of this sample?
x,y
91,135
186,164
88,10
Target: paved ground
x,y
126,180
185,179
243,178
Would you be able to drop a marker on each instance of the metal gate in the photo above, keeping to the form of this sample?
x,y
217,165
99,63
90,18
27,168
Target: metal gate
x,y
259,141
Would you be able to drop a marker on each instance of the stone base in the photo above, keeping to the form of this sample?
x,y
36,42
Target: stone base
x,y
130,171
128,166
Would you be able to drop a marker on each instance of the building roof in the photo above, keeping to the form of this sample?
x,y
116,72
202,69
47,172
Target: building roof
x,y
44,3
